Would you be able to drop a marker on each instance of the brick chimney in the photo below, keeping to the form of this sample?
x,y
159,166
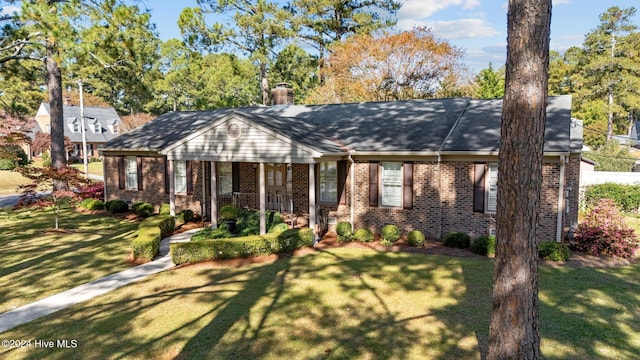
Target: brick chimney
x,y
282,94
67,101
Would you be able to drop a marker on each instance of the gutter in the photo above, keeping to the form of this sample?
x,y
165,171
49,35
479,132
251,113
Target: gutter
x,y
561,202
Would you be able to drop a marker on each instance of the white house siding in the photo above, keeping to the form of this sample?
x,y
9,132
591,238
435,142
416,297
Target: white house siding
x,y
254,145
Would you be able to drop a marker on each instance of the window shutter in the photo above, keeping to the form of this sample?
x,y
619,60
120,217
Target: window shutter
x,y
235,177
478,187
121,172
189,166
373,184
342,181
166,176
407,186
139,172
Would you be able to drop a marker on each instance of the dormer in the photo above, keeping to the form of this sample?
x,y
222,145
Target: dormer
x,y
113,126
95,126
75,126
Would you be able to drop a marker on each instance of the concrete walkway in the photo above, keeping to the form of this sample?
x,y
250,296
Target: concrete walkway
x,y
51,304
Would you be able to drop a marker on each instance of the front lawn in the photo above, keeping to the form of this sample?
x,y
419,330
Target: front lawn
x,y
38,261
10,182
340,303
94,167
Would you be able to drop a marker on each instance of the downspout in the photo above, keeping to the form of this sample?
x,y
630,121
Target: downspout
x,y
563,160
104,178
203,205
352,209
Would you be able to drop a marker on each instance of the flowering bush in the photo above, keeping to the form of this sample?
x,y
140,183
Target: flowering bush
x,y
603,232
94,190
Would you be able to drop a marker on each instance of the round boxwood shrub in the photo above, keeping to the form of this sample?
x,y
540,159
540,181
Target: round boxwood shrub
x,y
415,238
458,240
364,235
92,204
116,206
390,232
228,212
484,245
142,209
553,251
344,228
188,215
165,209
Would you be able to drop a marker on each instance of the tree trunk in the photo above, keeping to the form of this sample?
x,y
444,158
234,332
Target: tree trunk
x,y
514,331
54,85
264,85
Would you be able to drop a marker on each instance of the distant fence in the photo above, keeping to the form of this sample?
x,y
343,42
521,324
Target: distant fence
x,y
588,178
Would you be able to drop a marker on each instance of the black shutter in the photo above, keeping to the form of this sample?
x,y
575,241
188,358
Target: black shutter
x,y
121,173
342,181
189,169
167,185
139,172
235,177
373,184
407,186
478,187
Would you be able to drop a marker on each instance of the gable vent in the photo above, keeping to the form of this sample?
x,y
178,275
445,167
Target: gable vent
x,y
233,131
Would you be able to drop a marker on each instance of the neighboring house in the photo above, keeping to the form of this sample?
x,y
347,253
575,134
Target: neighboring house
x,y
422,164
102,124
632,139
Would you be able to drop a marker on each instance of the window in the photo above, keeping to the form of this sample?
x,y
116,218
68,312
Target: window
x,y
391,184
180,176
97,128
329,181
492,187
131,173
225,178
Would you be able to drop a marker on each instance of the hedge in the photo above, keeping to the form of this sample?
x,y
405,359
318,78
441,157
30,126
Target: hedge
x,y
248,246
146,245
625,196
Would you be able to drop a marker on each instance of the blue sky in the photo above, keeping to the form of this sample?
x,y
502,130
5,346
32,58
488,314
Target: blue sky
x,y
477,26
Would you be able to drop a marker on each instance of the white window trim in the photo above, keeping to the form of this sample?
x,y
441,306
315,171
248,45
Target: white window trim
x,y
180,188
131,173
491,168
75,126
381,185
331,182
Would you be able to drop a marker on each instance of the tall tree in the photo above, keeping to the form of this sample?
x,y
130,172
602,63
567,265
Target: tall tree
x,y
321,23
295,66
258,28
408,65
609,67
514,330
490,83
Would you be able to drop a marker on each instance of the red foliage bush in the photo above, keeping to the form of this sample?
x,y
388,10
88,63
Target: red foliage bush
x,y
93,191
604,233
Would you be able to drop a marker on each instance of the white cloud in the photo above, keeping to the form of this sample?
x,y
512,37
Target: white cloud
x,y
463,29
9,10
421,9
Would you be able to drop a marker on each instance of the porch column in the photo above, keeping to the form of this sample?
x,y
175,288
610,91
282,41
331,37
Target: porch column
x,y
312,197
172,186
203,204
263,201
214,197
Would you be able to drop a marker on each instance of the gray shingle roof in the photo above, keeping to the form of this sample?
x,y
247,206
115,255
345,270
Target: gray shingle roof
x,y
105,116
416,125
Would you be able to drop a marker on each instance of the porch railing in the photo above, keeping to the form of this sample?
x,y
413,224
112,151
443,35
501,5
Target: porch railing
x,y
282,203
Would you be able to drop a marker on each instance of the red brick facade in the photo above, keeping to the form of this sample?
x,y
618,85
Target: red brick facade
x,y
442,195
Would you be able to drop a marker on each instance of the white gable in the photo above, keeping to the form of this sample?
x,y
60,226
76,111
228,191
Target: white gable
x,y
235,139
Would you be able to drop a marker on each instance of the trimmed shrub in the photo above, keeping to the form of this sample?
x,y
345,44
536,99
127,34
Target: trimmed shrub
x,y
165,209
278,228
187,215
116,206
458,240
484,245
604,233
248,246
142,209
390,232
166,224
344,229
625,196
415,238
92,204
553,251
386,242
93,191
146,245
363,235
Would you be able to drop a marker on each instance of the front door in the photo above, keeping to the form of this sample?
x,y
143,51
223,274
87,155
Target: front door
x,y
277,180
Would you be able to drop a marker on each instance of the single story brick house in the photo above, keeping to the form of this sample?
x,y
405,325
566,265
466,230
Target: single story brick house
x,y
429,165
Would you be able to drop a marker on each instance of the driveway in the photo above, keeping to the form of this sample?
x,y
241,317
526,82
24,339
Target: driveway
x,y
8,200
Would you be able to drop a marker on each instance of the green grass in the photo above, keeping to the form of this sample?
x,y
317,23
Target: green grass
x,y
37,263
10,182
343,303
633,222
95,168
